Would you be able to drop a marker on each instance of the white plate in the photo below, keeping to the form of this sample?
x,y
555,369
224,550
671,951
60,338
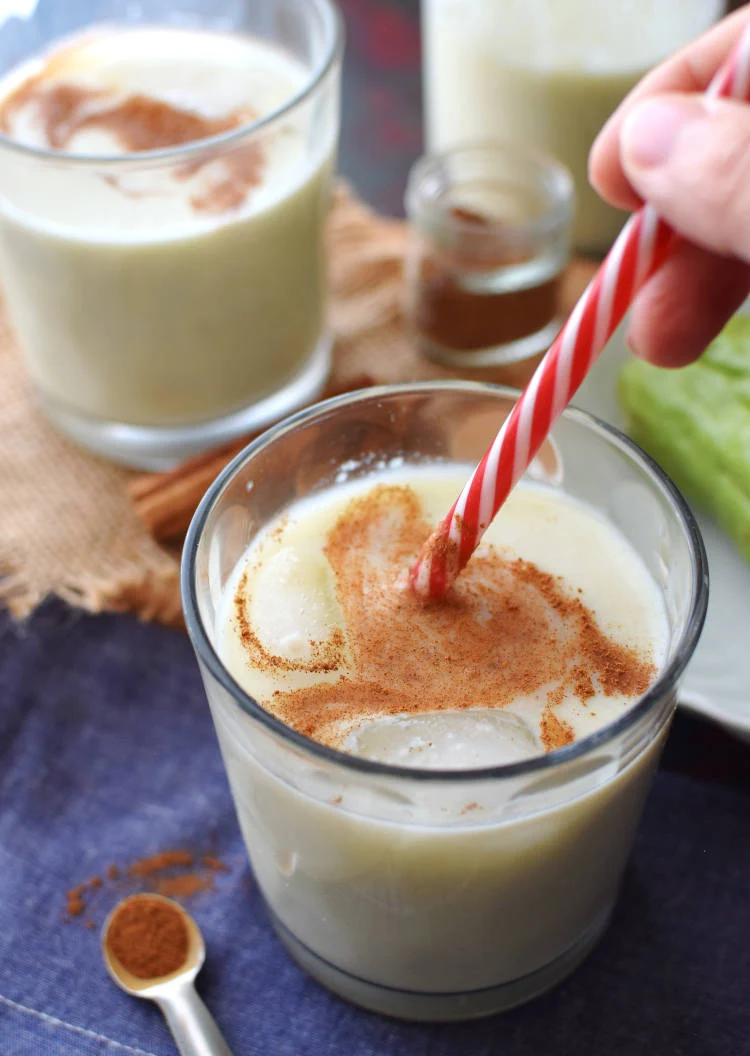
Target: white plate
x,y
717,681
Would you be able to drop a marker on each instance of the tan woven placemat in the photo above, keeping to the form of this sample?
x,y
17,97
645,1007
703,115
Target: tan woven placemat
x,y
67,525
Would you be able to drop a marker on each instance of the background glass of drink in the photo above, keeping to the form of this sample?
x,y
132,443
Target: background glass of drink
x,y
389,884
547,73
152,326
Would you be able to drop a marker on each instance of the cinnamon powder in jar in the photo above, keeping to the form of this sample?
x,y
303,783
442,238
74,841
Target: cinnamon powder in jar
x,y
451,310
490,240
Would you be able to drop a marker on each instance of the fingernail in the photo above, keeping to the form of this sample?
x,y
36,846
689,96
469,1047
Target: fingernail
x,y
650,130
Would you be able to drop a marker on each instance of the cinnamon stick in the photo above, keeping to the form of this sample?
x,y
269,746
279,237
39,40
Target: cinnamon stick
x,y
166,502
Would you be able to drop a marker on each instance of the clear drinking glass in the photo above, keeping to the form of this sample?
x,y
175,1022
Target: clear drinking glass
x,y
168,299
377,878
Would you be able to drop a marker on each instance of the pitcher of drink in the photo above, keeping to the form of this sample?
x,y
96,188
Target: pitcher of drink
x,y
547,73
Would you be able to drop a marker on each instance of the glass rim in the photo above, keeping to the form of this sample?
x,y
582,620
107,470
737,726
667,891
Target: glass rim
x,y
334,29
561,200
660,688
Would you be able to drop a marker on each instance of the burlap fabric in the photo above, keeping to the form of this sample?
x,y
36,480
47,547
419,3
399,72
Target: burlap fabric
x,y
67,525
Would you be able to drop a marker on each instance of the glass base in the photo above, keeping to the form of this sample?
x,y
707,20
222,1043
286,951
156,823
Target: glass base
x,y
162,448
498,355
440,1007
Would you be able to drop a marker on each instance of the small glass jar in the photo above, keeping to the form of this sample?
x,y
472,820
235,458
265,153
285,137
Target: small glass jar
x,y
488,247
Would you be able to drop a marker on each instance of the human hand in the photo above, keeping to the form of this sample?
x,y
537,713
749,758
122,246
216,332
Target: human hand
x,y
689,157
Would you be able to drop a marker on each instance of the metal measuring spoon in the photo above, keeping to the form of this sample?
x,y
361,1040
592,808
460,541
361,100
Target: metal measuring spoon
x,y
193,1027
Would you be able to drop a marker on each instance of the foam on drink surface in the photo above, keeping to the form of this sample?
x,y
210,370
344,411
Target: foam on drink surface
x,y
554,628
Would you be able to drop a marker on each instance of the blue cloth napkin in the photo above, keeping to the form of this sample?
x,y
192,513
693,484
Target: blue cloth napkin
x,y
107,754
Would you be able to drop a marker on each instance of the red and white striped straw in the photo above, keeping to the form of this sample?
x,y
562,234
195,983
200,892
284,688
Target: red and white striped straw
x,y
639,251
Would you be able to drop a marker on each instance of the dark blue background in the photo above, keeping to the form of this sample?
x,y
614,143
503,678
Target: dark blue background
x,y
107,753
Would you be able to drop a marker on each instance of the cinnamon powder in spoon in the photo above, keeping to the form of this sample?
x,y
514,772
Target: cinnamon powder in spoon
x,y
148,937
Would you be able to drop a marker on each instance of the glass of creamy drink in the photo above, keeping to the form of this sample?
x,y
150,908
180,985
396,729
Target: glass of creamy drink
x,y
548,73
439,801
165,176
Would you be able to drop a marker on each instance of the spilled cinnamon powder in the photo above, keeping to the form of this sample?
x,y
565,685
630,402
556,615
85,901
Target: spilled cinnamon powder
x,y
157,862
184,886
176,874
506,630
74,900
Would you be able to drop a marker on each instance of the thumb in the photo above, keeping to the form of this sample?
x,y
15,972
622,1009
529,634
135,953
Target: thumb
x,y
689,157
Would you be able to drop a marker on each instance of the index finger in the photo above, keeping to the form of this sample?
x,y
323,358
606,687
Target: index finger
x,y
689,70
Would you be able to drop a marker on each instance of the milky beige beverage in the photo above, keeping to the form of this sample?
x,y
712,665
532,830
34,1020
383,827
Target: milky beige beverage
x,y
186,287
547,73
553,631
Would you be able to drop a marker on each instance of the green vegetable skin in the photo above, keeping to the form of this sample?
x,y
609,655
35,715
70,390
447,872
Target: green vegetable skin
x,y
696,423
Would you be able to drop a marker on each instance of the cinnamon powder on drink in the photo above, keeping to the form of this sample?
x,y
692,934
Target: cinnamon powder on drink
x,y
148,937
507,630
138,123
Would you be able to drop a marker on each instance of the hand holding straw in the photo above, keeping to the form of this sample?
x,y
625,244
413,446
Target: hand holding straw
x,y
637,254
